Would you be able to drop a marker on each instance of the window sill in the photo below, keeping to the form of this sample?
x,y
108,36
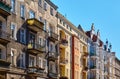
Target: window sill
x,y
15,13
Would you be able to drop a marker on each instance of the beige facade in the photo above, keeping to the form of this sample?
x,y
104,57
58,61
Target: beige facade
x,y
117,68
67,30
32,49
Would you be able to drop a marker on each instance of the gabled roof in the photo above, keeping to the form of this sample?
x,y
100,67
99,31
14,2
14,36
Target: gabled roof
x,y
80,28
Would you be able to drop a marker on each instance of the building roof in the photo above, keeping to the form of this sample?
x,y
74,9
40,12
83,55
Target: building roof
x,y
94,38
80,28
52,4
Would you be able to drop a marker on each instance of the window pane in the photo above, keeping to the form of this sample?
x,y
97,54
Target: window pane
x,y
32,14
13,5
22,8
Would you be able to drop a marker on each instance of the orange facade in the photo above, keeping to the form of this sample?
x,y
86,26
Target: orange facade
x,y
75,57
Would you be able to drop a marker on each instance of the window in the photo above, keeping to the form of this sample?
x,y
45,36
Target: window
x,y
60,21
45,63
70,29
54,68
51,11
40,19
45,6
13,31
13,5
67,26
40,2
40,62
0,24
45,24
0,54
22,60
67,72
41,41
13,57
63,23
31,61
22,35
31,14
22,11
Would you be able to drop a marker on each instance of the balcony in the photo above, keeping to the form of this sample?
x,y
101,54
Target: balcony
x,y
4,37
35,48
53,75
53,36
92,54
63,77
63,61
4,65
93,67
93,78
86,54
35,24
36,71
4,8
63,43
52,56
85,69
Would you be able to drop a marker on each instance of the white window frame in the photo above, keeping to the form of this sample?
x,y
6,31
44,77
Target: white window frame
x,y
15,30
15,8
40,62
22,11
34,60
31,14
13,57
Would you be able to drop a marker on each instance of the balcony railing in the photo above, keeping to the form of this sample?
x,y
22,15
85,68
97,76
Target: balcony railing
x,y
92,54
63,61
36,48
4,8
52,56
4,37
93,67
63,42
53,36
35,24
86,68
53,74
4,63
36,71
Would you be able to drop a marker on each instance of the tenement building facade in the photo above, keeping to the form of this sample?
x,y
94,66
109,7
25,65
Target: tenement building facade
x,y
117,68
101,59
37,42
30,49
73,50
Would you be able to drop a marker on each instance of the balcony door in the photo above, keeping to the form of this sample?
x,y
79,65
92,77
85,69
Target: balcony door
x,y
32,39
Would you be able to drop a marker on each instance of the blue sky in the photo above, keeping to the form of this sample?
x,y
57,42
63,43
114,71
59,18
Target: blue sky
x,y
105,14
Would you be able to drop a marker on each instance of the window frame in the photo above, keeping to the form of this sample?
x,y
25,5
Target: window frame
x,y
22,11
34,63
31,14
13,4
13,32
22,36
51,11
